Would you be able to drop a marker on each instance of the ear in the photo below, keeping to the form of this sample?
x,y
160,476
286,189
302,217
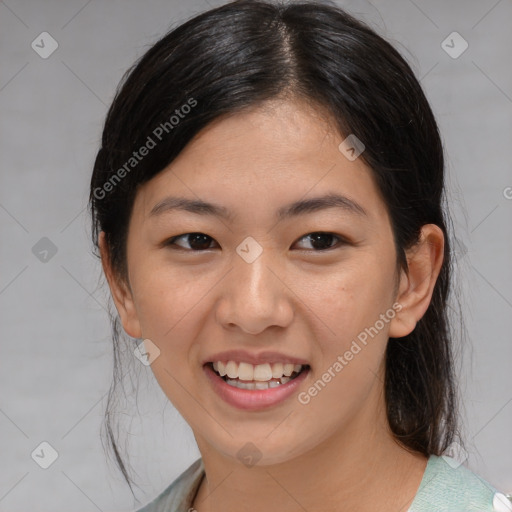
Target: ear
x,y
415,289
121,293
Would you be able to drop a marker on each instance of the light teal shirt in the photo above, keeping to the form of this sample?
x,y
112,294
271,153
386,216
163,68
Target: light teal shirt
x,y
446,486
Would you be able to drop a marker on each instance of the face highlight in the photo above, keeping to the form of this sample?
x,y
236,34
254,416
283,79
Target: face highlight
x,y
259,255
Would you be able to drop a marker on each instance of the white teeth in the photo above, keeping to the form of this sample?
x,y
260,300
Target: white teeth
x,y
232,369
262,372
277,370
261,375
221,368
245,371
257,385
245,385
254,384
288,369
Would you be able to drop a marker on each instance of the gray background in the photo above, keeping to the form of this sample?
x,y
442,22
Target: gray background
x,y
55,362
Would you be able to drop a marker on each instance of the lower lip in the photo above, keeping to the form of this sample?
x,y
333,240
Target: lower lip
x,y
253,399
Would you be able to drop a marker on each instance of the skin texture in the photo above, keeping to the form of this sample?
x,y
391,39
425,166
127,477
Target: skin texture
x,y
335,453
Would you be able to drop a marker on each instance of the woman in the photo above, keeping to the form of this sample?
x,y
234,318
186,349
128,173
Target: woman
x,y
268,207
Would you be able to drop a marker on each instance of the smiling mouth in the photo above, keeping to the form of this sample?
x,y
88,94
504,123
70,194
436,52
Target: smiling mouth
x,y
256,377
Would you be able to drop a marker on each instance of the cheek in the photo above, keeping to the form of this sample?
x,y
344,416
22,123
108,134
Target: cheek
x,y
350,302
169,307
164,296
349,299
172,307
352,359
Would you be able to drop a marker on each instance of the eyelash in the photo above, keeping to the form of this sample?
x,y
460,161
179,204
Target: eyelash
x,y
340,241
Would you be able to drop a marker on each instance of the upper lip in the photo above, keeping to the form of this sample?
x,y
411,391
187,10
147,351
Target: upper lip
x,y
266,356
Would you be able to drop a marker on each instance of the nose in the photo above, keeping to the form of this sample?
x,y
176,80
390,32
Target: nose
x,y
254,297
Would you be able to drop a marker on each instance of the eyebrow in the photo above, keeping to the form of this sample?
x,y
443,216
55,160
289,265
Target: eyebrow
x,y
301,207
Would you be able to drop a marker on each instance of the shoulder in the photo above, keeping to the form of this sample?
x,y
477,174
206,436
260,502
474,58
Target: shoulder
x,y
448,486
178,496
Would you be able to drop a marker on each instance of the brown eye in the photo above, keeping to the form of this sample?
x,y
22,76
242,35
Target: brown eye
x,y
320,241
196,241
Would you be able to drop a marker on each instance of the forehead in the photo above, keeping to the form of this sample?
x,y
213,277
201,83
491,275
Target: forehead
x,y
267,156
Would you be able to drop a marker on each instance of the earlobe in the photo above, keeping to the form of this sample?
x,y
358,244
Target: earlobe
x,y
121,294
424,260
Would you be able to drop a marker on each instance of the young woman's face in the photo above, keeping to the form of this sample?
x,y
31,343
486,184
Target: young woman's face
x,y
291,260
